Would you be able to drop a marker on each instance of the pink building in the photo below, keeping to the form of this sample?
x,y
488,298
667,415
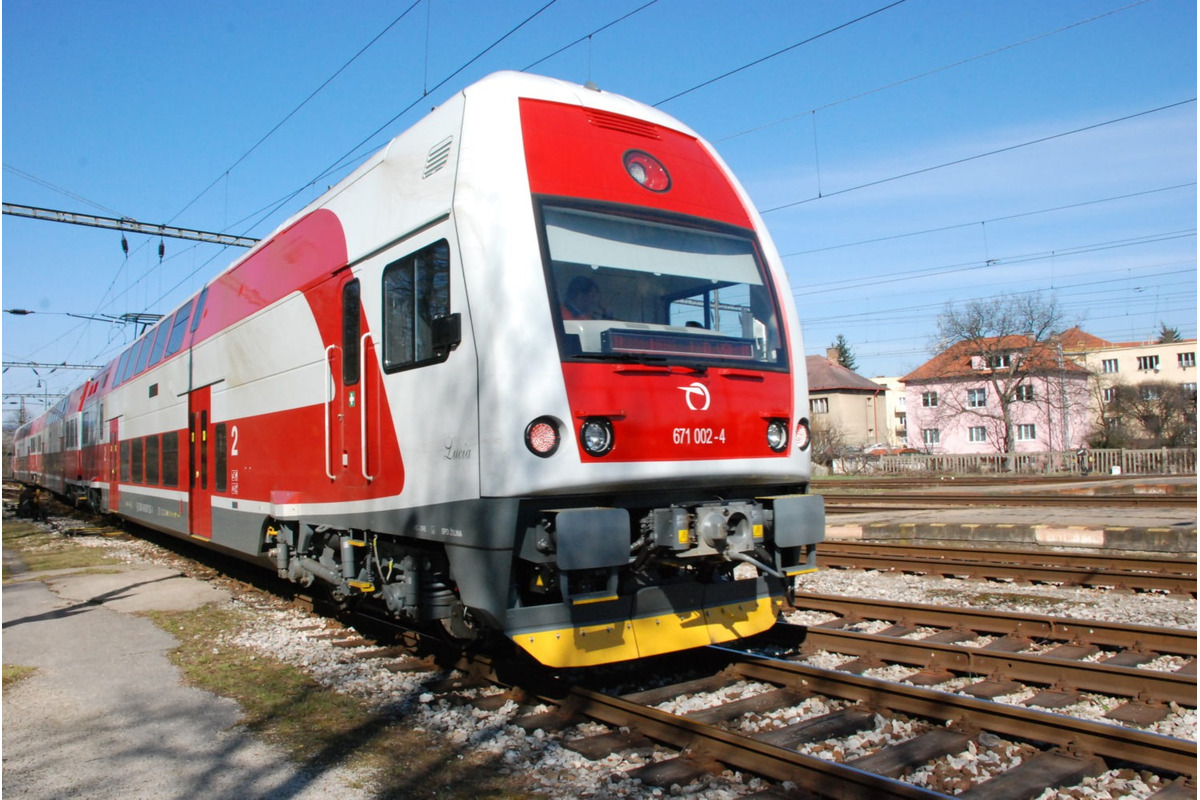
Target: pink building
x,y
1003,394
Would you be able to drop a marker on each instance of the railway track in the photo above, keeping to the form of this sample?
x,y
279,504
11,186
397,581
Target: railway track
x,y
831,732
1131,573
1016,482
847,503
964,623
941,725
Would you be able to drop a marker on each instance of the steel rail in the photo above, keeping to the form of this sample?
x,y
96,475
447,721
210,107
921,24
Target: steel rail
x,y
1149,638
826,778
977,568
1171,566
1108,741
1151,686
891,500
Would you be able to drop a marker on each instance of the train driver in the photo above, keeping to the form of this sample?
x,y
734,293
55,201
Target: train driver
x,y
582,300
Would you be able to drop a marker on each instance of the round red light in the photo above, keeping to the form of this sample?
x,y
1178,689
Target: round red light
x,y
541,437
647,170
803,435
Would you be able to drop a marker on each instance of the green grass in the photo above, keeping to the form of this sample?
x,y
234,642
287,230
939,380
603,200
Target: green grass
x,y
14,674
41,551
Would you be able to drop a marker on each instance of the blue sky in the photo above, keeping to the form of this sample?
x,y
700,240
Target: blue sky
x,y
905,155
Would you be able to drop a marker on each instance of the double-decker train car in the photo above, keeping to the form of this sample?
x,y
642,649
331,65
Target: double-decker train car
x,y
533,368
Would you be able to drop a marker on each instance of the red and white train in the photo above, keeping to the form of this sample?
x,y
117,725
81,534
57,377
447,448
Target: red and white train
x,y
532,368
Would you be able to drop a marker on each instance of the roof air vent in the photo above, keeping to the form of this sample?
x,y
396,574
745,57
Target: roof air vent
x,y
439,156
617,122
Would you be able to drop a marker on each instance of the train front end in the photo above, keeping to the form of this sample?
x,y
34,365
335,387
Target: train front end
x,y
642,384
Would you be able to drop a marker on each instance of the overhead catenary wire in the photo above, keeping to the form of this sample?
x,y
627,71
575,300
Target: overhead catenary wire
x,y
778,53
928,73
977,156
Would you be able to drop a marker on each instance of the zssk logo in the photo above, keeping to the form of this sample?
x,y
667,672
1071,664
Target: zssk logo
x,y
697,396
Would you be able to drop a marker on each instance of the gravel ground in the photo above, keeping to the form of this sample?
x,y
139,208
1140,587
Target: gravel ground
x,y
560,773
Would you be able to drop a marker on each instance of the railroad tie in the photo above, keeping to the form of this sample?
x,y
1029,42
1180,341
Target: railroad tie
x,y
897,759
1043,771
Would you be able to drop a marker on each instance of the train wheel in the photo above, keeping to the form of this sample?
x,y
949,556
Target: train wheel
x,y
460,624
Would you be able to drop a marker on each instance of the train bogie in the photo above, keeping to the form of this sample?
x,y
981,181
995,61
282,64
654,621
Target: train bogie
x,y
533,368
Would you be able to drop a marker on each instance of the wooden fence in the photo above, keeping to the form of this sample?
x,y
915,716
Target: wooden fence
x,y
1162,461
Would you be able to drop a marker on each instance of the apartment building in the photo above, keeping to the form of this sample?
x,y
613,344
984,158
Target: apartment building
x,y
957,401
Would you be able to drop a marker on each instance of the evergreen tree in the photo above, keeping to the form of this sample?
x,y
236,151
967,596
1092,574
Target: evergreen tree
x,y
1167,335
845,356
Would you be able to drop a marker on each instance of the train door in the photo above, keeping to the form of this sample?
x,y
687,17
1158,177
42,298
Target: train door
x,y
112,457
354,407
429,369
200,465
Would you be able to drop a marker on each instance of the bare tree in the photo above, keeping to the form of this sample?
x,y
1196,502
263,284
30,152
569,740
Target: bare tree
x,y
1009,343
1151,414
828,440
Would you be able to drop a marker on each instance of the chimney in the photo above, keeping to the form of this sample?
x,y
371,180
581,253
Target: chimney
x,y
832,354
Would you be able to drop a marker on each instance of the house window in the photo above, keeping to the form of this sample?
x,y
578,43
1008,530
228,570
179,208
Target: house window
x,y
1148,392
1000,362
1147,363
1110,394
976,398
977,433
931,435
929,399
1025,393
1026,433
1187,360
1108,365
819,405
1189,389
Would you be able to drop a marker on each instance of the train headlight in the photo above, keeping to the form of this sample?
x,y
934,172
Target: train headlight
x,y
542,437
777,435
803,435
647,170
596,434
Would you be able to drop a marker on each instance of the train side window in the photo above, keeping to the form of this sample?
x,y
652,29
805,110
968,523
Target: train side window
x,y
125,461
199,308
170,458
152,451
123,367
221,435
143,353
416,295
178,329
159,337
135,461
351,331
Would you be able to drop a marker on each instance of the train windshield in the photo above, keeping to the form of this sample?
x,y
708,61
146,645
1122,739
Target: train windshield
x,y
629,288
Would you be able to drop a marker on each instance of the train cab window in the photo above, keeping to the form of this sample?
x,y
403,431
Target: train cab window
x,y
170,458
660,290
351,331
416,298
